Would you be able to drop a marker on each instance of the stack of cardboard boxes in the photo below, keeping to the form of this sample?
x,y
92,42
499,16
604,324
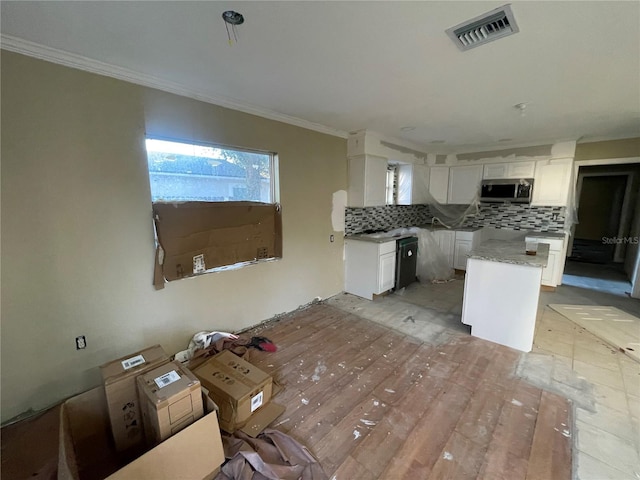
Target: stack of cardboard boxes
x,y
148,401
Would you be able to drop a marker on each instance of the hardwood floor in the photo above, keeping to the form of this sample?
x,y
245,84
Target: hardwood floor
x,y
372,403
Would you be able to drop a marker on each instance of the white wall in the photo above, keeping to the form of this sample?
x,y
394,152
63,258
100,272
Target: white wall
x,y
77,239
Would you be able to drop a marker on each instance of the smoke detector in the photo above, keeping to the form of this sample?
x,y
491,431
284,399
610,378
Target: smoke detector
x,y
491,26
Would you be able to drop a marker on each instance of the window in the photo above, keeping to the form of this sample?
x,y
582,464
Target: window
x,y
183,172
214,208
392,185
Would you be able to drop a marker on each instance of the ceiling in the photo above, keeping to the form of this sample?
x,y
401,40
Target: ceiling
x,y
340,67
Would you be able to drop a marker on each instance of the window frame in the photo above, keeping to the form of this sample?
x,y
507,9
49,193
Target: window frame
x,y
274,173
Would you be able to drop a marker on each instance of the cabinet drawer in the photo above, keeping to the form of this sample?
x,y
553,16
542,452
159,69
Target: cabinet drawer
x,y
387,247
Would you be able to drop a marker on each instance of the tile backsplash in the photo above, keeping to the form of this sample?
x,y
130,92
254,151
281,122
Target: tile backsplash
x,y
519,217
496,215
387,217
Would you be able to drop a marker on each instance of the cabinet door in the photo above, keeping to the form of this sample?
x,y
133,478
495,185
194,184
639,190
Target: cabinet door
x,y
420,184
548,272
552,183
462,249
386,272
494,170
367,181
439,183
375,181
521,169
464,183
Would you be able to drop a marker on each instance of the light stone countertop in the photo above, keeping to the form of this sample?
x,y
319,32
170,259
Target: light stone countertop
x,y
373,238
510,252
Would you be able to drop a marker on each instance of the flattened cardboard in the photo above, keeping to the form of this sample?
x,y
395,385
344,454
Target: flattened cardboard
x,y
167,409
262,418
224,233
232,384
86,453
122,395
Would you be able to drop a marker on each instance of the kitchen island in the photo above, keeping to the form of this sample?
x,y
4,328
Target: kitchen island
x,y
501,292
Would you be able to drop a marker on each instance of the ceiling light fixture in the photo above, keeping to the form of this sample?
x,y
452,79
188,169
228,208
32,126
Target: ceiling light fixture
x,y
408,128
232,18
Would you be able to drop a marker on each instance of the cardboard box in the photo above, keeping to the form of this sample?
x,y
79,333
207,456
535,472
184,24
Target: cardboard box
x,y
119,377
86,451
170,400
197,236
241,391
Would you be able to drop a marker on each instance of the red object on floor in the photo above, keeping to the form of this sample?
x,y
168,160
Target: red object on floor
x,y
263,343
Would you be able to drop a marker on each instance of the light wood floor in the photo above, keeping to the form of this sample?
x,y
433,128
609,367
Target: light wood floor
x,y
372,403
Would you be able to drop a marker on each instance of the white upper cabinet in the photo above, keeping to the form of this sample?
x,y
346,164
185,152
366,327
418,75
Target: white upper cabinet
x,y
439,183
521,169
464,183
509,170
367,181
413,183
495,170
552,182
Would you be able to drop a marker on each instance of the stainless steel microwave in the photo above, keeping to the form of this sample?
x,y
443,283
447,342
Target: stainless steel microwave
x,y
515,190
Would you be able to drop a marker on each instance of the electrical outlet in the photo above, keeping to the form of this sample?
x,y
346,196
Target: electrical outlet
x,y
81,342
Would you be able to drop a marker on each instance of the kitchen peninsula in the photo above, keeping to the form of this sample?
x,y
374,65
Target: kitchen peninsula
x,y
501,292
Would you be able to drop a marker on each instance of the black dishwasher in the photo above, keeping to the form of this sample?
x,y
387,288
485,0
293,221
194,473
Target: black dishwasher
x,y
406,260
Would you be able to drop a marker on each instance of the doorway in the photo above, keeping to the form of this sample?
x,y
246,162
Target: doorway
x,y
603,252
599,212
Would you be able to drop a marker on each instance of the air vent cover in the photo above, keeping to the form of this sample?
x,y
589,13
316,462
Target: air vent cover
x,y
495,24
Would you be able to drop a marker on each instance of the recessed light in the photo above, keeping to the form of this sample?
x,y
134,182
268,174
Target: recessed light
x,y
408,128
437,141
505,140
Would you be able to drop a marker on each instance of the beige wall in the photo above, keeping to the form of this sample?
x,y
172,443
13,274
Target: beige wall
x,y
628,147
77,239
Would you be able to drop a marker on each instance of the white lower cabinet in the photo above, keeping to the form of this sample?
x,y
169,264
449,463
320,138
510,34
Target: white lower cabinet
x,y
552,273
464,243
387,272
369,267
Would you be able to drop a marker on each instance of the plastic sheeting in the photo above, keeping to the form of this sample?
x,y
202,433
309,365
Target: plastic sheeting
x,y
432,265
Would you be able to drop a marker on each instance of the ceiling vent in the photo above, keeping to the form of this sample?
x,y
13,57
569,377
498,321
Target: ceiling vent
x,y
495,24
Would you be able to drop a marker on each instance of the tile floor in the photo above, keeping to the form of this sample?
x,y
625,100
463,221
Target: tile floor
x,y
603,383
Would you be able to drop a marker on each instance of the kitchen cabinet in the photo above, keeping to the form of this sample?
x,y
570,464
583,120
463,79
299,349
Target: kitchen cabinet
x,y
464,183
439,183
552,182
413,184
465,242
509,170
370,267
552,273
446,240
367,181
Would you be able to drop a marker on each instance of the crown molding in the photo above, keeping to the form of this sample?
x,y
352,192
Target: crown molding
x,y
72,60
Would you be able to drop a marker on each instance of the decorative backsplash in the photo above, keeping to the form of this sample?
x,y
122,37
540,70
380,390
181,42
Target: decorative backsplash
x,y
496,215
519,217
388,217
